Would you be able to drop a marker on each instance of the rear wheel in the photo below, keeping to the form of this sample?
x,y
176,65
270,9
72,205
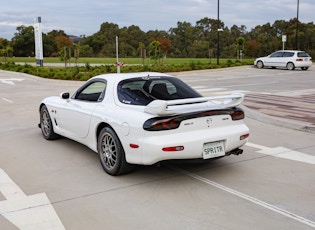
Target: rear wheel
x,y
46,124
112,154
260,64
304,68
290,66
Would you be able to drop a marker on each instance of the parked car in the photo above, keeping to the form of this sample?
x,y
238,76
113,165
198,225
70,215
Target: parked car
x,y
289,59
145,118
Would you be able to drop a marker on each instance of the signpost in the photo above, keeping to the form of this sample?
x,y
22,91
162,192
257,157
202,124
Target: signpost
x,y
38,41
284,39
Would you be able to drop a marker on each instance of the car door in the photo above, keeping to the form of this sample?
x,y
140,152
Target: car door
x,y
286,58
274,59
74,115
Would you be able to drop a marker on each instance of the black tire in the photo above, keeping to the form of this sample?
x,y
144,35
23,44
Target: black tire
x,y
46,125
290,66
260,65
112,154
304,68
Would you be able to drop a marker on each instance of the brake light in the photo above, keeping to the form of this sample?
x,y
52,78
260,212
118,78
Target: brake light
x,y
168,123
161,124
237,115
299,59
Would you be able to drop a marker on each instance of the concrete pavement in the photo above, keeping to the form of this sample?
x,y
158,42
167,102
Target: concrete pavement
x,y
294,111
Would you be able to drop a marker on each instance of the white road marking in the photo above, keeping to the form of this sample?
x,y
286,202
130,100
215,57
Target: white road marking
x,y
285,153
265,83
295,93
246,197
11,81
7,100
26,212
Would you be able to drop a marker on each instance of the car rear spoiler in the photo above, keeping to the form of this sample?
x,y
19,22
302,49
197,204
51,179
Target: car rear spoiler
x,y
171,107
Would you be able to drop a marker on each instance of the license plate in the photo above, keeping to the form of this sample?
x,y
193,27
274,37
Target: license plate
x,y
213,149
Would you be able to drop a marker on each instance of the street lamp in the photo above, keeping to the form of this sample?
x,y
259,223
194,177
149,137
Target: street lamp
x,y
218,34
297,26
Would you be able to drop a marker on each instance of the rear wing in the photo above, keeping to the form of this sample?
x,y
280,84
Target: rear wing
x,y
171,107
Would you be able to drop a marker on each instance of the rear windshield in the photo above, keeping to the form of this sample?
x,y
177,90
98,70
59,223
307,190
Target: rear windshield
x,y
141,91
302,54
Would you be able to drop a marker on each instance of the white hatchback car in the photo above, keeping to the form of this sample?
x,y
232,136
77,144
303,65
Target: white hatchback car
x,y
145,118
289,59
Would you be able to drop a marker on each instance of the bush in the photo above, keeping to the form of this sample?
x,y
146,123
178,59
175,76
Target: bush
x,y
84,73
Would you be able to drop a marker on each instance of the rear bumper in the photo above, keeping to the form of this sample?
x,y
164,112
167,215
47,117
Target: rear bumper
x,y
150,148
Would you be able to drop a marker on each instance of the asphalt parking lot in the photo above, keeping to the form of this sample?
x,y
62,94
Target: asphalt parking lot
x,y
61,185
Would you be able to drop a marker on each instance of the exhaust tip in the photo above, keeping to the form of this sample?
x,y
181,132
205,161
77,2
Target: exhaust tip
x,y
236,152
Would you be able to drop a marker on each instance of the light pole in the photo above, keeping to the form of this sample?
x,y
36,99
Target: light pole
x,y
218,34
297,26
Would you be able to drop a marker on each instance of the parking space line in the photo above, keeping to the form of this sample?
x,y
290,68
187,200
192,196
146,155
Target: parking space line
x,y
26,212
284,153
247,197
7,100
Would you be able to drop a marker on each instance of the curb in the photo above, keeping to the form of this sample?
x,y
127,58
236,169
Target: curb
x,y
283,122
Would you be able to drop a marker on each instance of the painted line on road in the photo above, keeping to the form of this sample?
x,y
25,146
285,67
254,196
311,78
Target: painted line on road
x,y
265,83
26,212
7,100
284,153
11,81
246,197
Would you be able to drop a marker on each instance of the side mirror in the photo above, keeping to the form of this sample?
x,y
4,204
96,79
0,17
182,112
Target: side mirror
x,y
65,95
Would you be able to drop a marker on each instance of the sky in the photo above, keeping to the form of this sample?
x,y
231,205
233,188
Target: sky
x,y
84,17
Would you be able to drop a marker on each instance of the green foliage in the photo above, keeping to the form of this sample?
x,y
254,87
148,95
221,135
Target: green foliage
x,y
84,73
183,41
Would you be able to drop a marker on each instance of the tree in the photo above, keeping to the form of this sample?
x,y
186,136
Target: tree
x,y
165,45
23,42
64,47
252,48
6,50
182,37
240,42
155,51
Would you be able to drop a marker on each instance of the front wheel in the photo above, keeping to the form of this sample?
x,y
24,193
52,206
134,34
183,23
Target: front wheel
x,y
46,124
260,64
111,153
290,66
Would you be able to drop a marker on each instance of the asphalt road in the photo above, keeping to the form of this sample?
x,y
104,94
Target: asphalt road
x,y
61,185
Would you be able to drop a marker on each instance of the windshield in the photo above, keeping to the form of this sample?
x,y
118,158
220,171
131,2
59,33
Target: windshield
x,y
141,91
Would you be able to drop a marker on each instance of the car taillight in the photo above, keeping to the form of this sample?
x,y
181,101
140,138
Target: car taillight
x,y
156,124
237,115
168,123
299,59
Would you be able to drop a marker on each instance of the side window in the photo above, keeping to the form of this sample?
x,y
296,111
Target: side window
x,y
288,54
276,54
93,92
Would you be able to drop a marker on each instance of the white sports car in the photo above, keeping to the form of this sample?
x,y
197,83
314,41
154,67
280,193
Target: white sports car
x,y
145,118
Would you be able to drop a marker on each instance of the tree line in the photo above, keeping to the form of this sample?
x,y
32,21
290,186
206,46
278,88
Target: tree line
x,y
185,40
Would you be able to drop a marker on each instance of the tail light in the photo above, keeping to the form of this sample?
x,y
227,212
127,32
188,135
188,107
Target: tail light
x,y
156,124
237,115
168,123
299,59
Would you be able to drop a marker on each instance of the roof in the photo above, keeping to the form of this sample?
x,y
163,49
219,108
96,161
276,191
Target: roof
x,y
122,76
